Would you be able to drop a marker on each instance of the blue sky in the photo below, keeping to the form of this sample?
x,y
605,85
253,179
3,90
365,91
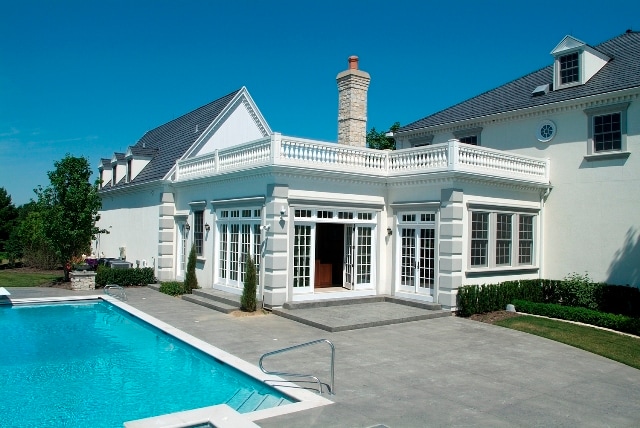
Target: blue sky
x,y
89,78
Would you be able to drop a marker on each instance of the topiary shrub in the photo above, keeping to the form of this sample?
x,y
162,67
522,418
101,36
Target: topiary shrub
x,y
248,301
190,279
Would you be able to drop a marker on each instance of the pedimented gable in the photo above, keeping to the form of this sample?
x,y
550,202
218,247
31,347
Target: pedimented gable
x,y
239,123
567,44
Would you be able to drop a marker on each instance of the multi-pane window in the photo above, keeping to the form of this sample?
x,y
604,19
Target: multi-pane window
x,y
569,68
234,256
113,177
508,236
525,239
363,256
129,168
479,238
607,132
469,139
198,232
503,239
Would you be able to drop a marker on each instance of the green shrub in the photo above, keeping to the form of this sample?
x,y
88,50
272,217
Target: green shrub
x,y
587,316
124,277
248,301
172,288
190,279
476,299
579,291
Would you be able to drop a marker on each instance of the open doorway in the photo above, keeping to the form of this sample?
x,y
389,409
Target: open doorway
x,y
329,261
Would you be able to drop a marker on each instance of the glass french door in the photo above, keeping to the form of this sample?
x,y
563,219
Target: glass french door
x,y
303,255
357,259
417,259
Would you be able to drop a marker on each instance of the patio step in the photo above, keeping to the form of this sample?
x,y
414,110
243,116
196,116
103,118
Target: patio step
x,y
211,303
218,296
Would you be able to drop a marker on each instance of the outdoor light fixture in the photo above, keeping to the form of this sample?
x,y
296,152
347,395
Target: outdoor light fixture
x,y
265,227
283,211
389,231
187,226
207,227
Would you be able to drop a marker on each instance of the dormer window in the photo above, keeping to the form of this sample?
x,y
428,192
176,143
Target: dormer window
x,y
569,68
575,63
113,178
129,171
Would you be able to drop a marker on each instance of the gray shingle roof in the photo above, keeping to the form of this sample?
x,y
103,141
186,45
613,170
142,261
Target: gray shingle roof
x,y
146,152
167,143
622,72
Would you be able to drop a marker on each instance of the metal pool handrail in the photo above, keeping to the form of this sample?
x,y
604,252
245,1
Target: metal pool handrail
x,y
302,345
120,289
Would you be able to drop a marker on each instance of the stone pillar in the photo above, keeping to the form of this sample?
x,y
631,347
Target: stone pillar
x,y
166,234
82,280
276,255
450,247
352,105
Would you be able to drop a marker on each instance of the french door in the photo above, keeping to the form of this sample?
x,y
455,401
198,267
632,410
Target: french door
x,y
358,256
417,259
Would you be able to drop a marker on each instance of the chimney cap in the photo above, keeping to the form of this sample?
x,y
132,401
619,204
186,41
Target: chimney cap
x,y
353,62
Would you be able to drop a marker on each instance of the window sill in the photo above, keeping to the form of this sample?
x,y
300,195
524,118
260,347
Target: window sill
x,y
494,271
607,155
201,259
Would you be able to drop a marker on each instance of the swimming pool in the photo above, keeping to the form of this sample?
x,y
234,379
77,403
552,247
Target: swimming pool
x,y
93,364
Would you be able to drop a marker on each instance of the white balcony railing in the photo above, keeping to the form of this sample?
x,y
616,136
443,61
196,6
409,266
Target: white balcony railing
x,y
295,152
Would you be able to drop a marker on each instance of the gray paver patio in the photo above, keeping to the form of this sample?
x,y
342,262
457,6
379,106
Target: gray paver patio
x,y
437,372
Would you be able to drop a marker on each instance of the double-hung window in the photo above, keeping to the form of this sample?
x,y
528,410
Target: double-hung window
x,y
607,131
569,68
501,239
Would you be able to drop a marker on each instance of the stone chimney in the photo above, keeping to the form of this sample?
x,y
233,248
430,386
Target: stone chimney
x,y
352,105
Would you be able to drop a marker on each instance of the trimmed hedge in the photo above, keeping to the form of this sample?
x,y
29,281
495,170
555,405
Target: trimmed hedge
x,y
173,288
583,315
575,290
124,277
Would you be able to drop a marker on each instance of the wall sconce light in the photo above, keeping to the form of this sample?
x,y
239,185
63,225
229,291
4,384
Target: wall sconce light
x,y
283,211
265,227
207,227
187,226
389,231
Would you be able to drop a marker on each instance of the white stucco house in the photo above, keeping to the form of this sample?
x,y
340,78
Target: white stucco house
x,y
537,178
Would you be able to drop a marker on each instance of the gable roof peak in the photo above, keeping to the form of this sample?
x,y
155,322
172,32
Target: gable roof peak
x,y
566,44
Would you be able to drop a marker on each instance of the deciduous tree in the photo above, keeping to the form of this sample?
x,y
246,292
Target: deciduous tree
x,y
380,141
69,207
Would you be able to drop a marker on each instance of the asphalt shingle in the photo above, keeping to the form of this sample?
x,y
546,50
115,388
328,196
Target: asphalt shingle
x,y
622,72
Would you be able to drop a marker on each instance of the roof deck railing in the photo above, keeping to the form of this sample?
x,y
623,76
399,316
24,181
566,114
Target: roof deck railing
x,y
279,150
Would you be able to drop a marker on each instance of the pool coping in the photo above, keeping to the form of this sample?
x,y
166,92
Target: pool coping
x,y
218,415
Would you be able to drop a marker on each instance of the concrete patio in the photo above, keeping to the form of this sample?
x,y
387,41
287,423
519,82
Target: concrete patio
x,y
444,371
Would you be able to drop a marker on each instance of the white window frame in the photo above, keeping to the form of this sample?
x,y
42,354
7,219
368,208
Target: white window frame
x,y
244,222
557,72
493,256
594,112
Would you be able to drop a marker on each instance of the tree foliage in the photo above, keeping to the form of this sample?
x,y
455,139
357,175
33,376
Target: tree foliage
x,y
380,141
8,218
248,301
69,207
190,279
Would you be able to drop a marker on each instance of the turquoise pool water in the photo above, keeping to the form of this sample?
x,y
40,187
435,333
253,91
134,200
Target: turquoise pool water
x,y
94,365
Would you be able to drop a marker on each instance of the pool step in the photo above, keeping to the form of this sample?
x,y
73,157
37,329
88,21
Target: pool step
x,y
244,403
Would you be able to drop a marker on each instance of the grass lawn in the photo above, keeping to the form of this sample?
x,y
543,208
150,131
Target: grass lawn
x,y
618,347
13,278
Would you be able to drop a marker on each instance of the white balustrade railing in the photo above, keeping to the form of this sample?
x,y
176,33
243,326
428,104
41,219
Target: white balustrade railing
x,y
450,156
298,151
